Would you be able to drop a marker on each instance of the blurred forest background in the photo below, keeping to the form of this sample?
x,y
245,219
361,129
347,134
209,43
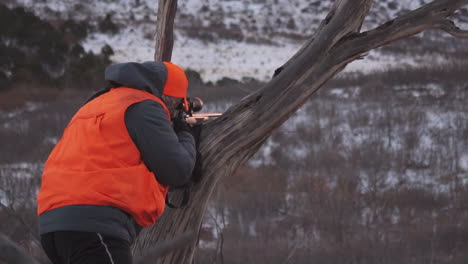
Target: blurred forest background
x,y
373,169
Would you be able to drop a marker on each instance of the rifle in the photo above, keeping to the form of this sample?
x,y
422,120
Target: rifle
x,y
195,104
200,118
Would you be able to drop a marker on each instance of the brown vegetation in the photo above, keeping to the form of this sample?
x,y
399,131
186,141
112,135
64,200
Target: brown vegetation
x,y
385,198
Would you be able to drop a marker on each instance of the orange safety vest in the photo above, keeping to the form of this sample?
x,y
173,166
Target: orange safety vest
x,y
97,163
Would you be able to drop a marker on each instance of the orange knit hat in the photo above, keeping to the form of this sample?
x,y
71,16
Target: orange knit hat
x,y
176,83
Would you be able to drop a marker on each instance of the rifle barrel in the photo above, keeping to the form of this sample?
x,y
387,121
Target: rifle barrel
x,y
201,117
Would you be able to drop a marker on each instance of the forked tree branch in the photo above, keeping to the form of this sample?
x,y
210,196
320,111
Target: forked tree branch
x,y
432,16
336,44
450,27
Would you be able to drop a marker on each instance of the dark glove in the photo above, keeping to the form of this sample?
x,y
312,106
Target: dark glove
x,y
180,125
197,170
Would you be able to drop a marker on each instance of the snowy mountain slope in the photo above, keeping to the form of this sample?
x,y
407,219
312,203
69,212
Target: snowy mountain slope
x,y
256,18
236,38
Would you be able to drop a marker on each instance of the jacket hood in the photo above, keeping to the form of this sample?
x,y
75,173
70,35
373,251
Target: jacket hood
x,y
150,76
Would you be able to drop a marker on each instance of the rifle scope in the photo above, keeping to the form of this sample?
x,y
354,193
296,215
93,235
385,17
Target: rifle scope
x,y
195,104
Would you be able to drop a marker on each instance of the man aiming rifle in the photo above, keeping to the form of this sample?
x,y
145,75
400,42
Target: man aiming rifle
x,y
109,174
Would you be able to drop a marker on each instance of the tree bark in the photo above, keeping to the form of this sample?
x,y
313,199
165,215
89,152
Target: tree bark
x,y
233,138
165,30
12,253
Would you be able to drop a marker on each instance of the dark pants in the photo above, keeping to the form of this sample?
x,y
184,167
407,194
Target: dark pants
x,y
68,247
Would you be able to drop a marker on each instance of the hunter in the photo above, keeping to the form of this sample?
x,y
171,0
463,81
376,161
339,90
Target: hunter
x,y
109,174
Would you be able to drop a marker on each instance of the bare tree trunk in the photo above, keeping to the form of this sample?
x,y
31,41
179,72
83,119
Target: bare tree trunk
x,y
164,30
165,247
233,138
12,253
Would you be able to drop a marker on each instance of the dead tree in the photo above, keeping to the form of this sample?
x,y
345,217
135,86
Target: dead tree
x,y
11,253
165,30
233,138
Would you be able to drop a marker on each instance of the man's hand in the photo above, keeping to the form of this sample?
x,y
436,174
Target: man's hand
x,y
181,125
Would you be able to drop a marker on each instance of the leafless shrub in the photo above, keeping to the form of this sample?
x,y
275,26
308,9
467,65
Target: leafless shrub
x,y
348,198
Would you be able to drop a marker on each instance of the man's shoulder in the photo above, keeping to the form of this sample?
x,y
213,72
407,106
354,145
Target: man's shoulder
x,y
144,116
146,108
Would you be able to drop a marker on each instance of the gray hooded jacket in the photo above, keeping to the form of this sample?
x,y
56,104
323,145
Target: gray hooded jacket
x,y
171,156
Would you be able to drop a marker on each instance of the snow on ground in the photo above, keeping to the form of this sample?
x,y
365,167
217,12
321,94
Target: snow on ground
x,y
29,107
215,221
440,121
463,162
11,120
263,156
17,174
213,60
22,169
89,9
233,59
224,58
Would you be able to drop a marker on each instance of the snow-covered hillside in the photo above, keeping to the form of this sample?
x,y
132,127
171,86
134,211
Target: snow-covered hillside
x,y
255,18
380,157
235,38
